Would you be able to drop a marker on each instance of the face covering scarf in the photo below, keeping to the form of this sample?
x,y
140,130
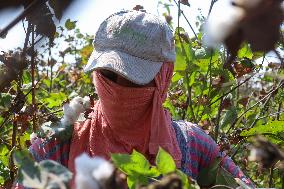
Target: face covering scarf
x,y
126,118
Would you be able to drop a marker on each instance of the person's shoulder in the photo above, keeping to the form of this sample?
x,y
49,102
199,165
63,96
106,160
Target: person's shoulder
x,y
193,133
186,128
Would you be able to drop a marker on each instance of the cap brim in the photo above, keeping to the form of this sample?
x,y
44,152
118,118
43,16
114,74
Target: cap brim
x,y
135,69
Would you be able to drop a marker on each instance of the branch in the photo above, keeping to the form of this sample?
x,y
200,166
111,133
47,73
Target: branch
x,y
20,17
33,80
267,97
180,11
234,88
273,114
189,105
211,7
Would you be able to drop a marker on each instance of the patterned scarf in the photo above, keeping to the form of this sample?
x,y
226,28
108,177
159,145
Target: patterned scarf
x,y
126,118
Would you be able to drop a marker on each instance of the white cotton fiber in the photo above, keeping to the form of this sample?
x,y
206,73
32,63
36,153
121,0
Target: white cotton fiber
x,y
73,109
91,171
220,24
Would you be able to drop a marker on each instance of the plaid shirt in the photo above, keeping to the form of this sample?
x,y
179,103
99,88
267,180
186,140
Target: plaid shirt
x,y
198,149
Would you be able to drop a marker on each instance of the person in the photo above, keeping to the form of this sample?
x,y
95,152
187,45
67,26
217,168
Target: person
x,y
132,64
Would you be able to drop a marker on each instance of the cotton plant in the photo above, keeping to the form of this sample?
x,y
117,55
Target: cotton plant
x,y
219,27
245,21
73,111
92,173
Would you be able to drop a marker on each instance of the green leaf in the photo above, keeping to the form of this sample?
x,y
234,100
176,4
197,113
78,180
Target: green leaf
x,y
50,130
230,116
29,172
55,99
207,176
131,182
70,25
61,173
225,178
203,58
4,173
134,164
165,163
27,78
5,101
245,52
215,174
184,178
183,51
272,127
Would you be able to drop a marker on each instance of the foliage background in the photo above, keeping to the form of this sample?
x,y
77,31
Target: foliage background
x,y
232,108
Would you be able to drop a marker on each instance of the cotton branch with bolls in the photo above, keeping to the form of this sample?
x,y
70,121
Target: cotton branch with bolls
x,y
247,21
72,111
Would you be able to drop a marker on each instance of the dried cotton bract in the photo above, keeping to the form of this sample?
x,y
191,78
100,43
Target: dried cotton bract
x,y
91,173
73,109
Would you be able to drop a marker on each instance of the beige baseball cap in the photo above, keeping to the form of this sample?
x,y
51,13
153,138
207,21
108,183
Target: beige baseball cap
x,y
133,44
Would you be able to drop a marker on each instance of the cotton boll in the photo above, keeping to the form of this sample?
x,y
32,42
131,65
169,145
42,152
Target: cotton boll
x,y
69,116
86,102
84,167
91,171
72,111
65,121
219,25
77,105
84,181
33,137
103,171
255,154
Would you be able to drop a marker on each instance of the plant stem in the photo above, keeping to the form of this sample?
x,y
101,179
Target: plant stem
x,y
271,177
217,128
14,135
266,97
189,105
33,80
234,88
211,7
181,12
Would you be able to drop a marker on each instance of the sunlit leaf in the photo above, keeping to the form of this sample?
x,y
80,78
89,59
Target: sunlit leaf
x,y
165,163
70,25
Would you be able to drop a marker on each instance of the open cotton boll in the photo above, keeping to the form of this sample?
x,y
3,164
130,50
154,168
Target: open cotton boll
x,y
220,25
84,167
69,116
33,137
103,171
90,171
72,111
77,104
86,102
